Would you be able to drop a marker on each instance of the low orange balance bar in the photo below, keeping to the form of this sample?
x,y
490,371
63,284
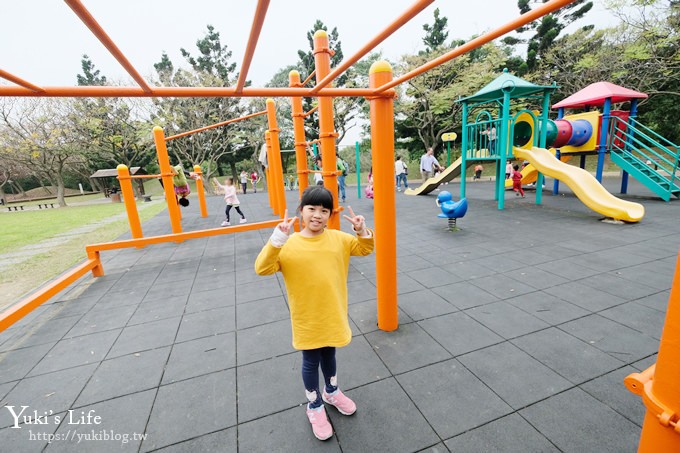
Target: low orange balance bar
x,y
93,263
26,305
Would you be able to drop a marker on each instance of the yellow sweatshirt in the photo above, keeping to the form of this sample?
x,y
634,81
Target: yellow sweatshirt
x,y
315,271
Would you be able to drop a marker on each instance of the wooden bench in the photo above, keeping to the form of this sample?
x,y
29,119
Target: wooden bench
x,y
45,205
10,208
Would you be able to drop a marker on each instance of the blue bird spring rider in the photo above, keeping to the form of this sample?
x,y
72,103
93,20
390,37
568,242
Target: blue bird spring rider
x,y
451,210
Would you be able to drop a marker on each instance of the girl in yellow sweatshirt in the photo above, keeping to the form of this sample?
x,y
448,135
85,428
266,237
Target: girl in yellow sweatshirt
x,y
314,264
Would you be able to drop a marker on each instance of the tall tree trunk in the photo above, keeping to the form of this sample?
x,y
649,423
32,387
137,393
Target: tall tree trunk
x,y
96,185
44,188
18,190
60,189
140,188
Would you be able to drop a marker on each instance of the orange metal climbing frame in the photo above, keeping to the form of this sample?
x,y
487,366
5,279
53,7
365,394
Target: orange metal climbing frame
x,y
380,94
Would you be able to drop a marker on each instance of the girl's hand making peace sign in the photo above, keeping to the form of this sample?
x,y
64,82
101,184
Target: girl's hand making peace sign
x,y
286,224
358,222
282,230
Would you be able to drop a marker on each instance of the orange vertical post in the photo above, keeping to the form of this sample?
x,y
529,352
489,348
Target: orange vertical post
x,y
168,187
129,199
327,134
385,211
98,269
659,385
267,170
276,172
201,191
299,133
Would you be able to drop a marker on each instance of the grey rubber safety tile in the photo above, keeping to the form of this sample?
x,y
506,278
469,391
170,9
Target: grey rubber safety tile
x,y
560,417
451,398
510,433
568,356
125,375
181,411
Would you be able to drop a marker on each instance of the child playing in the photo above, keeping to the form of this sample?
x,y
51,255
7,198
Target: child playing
x,y
369,188
179,181
231,199
254,179
314,264
478,172
517,181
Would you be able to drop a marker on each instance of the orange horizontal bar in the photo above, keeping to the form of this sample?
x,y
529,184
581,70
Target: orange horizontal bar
x,y
12,78
28,304
99,32
144,176
258,21
180,237
309,77
524,19
213,126
304,115
186,92
394,26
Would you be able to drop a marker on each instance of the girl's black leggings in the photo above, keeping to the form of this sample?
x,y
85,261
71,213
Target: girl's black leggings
x,y
311,360
237,210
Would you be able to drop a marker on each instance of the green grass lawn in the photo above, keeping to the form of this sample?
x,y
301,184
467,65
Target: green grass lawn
x,y
28,227
23,228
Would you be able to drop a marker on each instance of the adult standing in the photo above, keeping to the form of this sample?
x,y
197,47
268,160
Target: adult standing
x,y
400,172
428,164
244,181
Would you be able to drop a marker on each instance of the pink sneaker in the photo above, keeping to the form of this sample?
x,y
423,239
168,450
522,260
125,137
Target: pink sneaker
x,y
343,404
321,427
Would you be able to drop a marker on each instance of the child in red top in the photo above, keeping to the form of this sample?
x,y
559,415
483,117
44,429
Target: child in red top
x,y
517,181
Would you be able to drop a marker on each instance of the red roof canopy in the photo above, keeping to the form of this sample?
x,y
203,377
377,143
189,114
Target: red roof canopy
x,y
596,93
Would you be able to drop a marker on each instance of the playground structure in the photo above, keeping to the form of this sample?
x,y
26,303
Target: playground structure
x,y
657,434
639,151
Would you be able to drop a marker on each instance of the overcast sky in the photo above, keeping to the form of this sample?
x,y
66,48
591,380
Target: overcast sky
x,y
42,41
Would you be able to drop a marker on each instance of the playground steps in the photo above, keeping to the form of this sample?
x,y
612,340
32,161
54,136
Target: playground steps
x,y
633,145
652,179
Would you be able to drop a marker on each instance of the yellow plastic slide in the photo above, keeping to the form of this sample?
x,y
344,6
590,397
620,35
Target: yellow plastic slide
x,y
583,184
530,174
432,183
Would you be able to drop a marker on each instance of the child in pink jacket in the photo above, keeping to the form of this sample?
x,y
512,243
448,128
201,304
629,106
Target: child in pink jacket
x,y
231,199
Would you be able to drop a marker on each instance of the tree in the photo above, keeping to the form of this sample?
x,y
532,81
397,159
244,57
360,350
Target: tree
x,y
640,53
426,107
435,34
213,58
10,171
35,135
228,145
110,130
344,109
90,76
546,29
